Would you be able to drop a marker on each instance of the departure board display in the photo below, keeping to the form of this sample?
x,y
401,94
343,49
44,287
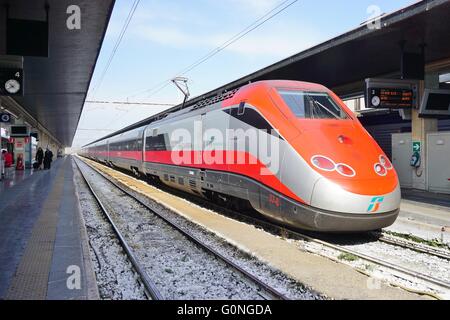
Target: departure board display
x,y
392,98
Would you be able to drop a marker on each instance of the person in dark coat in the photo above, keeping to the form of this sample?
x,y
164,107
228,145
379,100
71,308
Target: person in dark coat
x,y
48,157
39,157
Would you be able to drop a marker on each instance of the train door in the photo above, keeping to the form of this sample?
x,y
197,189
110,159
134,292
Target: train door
x,y
142,161
137,151
214,140
107,152
438,158
214,148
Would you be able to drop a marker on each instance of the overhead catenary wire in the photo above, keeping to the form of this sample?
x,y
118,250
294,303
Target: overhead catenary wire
x,y
116,45
256,24
86,129
129,103
268,16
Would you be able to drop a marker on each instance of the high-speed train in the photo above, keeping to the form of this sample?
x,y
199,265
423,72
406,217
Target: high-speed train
x,y
292,150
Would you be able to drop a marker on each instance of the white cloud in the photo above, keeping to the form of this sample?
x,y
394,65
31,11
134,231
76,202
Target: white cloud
x,y
278,42
169,36
256,6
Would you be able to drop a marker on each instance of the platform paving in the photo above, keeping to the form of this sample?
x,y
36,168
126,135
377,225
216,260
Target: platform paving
x,y
424,214
43,250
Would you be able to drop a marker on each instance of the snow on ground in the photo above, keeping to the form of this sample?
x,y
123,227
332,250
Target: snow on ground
x,y
409,259
180,269
116,278
419,262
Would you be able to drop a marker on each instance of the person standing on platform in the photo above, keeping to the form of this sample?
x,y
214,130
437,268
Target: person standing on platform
x,y
48,157
2,163
8,159
39,157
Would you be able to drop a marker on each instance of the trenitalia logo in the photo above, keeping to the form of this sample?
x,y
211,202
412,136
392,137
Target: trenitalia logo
x,y
374,205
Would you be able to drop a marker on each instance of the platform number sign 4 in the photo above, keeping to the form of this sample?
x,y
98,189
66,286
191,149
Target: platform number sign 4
x,y
11,82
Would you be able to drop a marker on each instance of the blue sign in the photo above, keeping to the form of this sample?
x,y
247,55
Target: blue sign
x,y
5,117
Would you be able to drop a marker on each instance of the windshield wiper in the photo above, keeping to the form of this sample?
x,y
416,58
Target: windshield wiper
x,y
326,109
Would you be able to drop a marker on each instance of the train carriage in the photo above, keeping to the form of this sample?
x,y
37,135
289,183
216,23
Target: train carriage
x,y
292,150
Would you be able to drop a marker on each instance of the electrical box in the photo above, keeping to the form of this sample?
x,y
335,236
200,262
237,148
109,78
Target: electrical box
x,y
401,157
438,160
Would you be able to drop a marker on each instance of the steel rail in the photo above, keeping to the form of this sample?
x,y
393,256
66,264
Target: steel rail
x,y
284,230
411,273
275,293
281,229
150,288
413,246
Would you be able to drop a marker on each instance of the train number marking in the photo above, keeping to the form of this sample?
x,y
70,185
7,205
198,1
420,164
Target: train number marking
x,y
274,200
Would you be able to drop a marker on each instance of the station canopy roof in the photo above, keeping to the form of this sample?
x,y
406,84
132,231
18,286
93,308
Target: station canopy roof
x,y
56,86
343,63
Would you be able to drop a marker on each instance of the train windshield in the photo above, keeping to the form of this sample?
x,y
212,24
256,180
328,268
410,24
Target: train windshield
x,y
312,105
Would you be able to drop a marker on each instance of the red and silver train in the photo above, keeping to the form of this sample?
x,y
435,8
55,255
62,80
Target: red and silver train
x,y
326,173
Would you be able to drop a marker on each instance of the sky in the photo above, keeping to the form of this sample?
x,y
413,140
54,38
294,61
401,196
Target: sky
x,y
166,36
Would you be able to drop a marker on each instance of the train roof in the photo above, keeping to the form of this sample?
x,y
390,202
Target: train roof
x,y
189,107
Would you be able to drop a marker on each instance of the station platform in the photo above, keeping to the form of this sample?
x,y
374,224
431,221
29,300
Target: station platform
x,y
425,197
424,214
44,252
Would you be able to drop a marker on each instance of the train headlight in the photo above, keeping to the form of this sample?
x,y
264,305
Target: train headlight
x,y
380,169
323,163
345,170
385,162
326,164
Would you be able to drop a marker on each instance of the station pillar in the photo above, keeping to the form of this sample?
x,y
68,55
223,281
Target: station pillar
x,y
420,128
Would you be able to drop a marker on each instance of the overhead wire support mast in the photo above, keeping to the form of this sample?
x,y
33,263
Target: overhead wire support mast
x,y
181,84
256,24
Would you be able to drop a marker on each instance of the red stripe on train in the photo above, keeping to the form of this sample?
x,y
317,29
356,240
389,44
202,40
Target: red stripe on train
x,y
241,163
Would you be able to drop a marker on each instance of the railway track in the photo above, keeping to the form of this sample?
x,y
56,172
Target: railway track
x,y
394,269
150,287
386,238
397,269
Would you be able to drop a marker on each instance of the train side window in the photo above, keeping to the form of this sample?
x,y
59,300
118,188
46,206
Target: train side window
x,y
156,143
139,144
241,109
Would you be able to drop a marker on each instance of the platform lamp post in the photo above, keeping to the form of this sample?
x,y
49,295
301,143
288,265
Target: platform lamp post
x,y
182,85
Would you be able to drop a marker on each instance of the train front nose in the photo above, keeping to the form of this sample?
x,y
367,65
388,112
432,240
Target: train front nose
x,y
352,170
343,211
331,196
